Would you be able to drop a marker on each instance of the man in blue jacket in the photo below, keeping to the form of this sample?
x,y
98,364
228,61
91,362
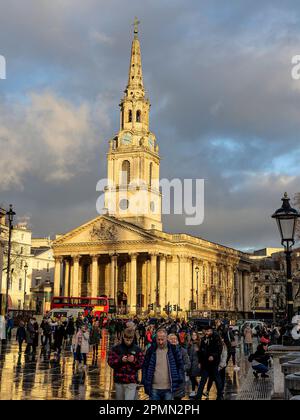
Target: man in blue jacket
x,y
163,369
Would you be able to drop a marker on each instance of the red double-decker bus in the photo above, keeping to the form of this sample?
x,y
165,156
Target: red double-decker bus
x,y
98,306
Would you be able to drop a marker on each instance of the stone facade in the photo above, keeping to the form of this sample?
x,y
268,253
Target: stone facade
x,y
268,284
129,257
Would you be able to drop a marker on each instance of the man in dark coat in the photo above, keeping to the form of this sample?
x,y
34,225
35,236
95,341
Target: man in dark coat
x,y
209,358
59,335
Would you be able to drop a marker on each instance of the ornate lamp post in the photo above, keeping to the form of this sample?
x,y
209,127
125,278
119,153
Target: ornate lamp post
x,y
286,218
25,269
10,214
197,286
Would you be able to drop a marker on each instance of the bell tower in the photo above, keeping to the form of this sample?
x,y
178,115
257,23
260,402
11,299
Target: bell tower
x,y
133,191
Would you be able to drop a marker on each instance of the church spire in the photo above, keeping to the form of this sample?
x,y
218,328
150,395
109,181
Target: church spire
x,y
135,86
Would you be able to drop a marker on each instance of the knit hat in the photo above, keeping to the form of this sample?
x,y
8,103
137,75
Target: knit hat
x,y
264,340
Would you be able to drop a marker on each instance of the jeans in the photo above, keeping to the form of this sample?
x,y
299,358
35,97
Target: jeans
x,y
214,375
161,395
126,392
260,368
247,349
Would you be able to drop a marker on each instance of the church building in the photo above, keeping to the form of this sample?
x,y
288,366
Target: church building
x,y
126,254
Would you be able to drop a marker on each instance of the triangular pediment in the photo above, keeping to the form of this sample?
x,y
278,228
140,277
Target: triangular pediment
x,y
105,229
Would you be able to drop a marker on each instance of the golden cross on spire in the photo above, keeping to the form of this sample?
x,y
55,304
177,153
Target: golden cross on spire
x,y
136,28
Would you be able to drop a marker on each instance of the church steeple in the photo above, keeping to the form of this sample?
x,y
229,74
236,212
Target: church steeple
x,y
135,106
133,159
135,86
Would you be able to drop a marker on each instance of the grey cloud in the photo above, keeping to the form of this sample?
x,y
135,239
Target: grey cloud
x,y
214,70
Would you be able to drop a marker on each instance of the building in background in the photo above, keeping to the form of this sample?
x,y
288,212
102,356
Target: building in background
x,y
19,285
268,283
42,275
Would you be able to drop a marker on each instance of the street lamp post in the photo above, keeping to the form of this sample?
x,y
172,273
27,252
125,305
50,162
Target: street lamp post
x,y
197,286
286,218
10,215
25,269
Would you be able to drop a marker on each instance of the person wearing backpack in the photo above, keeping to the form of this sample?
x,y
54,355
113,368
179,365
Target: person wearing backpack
x,y
260,361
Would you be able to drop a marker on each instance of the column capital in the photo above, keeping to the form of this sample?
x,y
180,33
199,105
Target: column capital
x,y
133,255
153,254
94,257
58,258
75,257
113,255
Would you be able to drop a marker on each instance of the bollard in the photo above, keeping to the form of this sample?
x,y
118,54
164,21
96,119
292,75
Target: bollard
x,y
288,357
289,368
292,383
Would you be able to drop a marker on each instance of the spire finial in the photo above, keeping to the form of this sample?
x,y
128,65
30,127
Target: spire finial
x,y
136,28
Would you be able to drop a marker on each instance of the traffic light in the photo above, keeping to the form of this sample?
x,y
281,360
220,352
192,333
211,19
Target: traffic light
x,y
174,308
151,306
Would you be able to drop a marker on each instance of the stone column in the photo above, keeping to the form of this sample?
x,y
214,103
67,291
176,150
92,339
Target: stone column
x,y
67,278
162,282
95,276
184,285
246,291
113,277
57,270
132,286
75,291
153,284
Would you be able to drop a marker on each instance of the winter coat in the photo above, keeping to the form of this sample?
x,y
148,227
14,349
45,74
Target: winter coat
x,y
223,359
248,336
259,357
21,334
125,372
59,335
95,336
180,391
176,367
70,329
84,346
211,346
193,355
30,333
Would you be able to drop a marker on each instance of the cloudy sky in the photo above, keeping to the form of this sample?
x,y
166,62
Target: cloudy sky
x,y
224,106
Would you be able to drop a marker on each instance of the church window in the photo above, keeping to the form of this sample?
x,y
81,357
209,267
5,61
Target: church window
x,y
150,174
130,116
124,204
138,116
125,172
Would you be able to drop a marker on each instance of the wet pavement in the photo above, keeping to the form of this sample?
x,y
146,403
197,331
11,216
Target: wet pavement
x,y
40,377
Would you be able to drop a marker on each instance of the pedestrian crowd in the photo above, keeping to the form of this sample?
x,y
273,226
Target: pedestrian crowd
x,y
171,359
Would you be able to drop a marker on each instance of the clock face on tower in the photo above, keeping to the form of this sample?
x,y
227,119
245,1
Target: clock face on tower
x,y
151,141
126,138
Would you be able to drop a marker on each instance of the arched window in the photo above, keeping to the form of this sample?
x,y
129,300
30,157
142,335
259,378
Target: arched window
x,y
130,116
138,116
150,173
125,172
